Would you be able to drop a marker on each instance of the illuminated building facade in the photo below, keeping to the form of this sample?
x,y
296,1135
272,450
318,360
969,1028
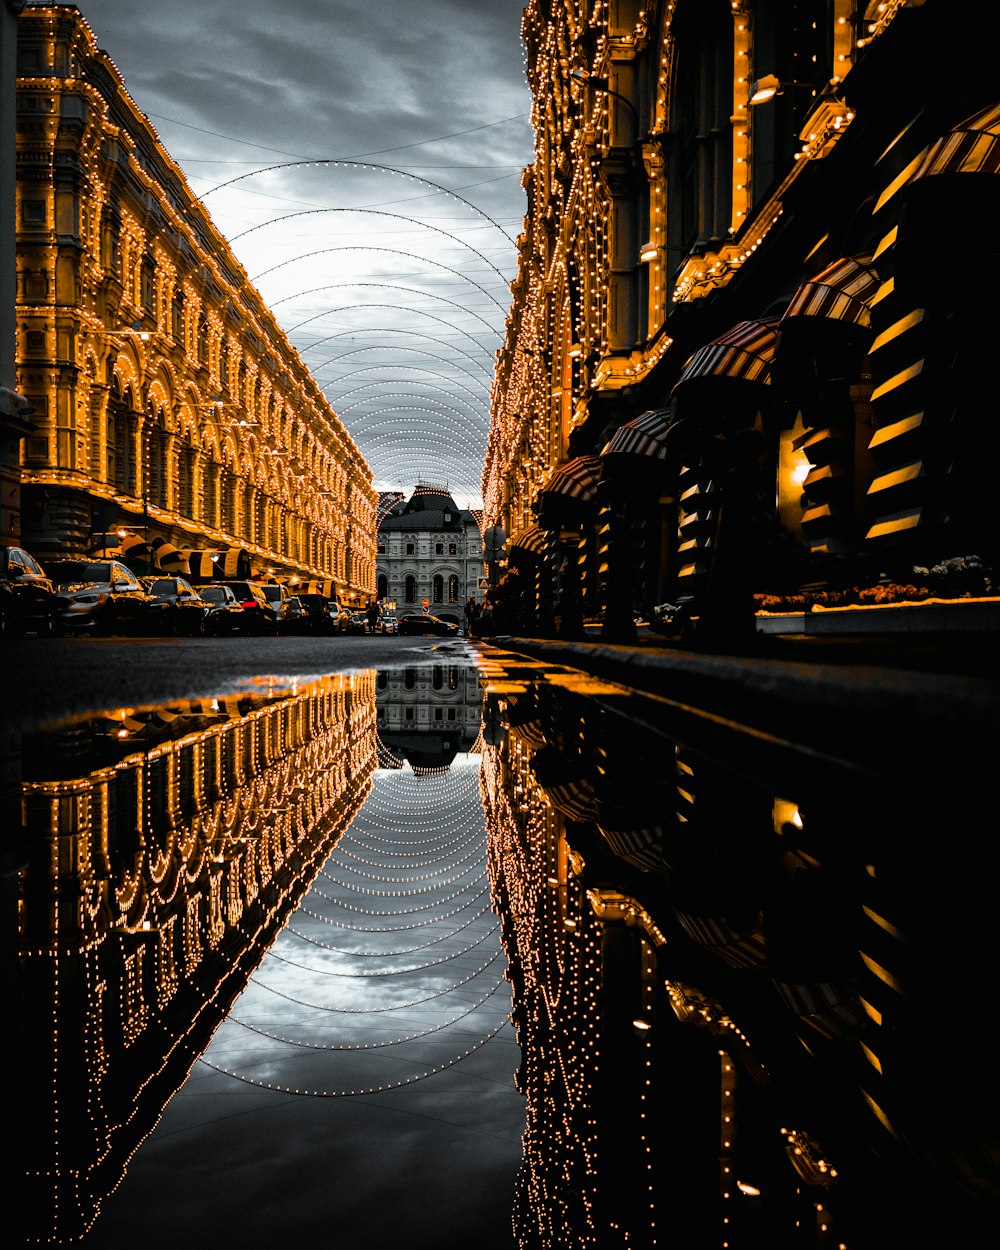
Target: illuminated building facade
x,y
734,289
167,399
429,549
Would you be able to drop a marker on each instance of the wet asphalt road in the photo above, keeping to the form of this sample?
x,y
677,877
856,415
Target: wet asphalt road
x,y
51,679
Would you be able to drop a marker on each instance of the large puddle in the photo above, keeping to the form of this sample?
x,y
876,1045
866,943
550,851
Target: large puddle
x,y
488,954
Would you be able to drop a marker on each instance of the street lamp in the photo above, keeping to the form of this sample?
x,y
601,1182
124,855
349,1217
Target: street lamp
x,y
601,84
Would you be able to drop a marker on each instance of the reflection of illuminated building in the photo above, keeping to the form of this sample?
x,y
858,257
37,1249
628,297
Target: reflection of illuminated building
x,y
428,714
730,963
155,881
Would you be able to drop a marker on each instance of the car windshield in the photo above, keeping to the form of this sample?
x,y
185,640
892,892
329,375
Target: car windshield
x,y
163,586
214,594
63,571
272,592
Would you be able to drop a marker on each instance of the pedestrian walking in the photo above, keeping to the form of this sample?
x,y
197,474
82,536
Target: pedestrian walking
x,y
372,615
471,616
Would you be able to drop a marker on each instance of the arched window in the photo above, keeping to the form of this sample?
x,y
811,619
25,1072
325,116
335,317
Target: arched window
x,y
453,588
410,589
438,594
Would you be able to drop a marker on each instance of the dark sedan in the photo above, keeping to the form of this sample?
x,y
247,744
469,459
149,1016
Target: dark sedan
x,y
225,612
99,597
424,623
27,595
177,608
260,616
319,614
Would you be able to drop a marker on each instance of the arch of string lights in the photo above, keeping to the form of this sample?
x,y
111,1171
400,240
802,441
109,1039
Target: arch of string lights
x,y
391,969
415,292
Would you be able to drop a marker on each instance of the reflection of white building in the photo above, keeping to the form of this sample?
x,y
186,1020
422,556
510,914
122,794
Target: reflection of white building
x,y
429,549
428,714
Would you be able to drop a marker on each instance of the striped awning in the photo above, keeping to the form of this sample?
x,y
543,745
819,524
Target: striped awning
x,y
134,549
971,148
532,539
217,563
645,435
168,557
743,354
735,946
576,480
325,588
575,799
642,847
843,292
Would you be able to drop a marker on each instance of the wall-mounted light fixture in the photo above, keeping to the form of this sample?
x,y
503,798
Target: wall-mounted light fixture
x,y
770,85
648,252
574,351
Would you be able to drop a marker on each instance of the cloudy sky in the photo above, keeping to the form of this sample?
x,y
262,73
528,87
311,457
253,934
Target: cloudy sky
x,y
392,282
388,979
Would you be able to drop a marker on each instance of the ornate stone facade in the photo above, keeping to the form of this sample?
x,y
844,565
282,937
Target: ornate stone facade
x,y
429,549
737,216
167,398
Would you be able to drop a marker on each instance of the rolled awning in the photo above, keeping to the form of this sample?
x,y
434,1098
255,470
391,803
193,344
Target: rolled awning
x,y
743,354
644,436
842,292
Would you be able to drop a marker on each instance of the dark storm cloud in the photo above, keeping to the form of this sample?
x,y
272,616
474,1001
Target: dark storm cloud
x,y
301,74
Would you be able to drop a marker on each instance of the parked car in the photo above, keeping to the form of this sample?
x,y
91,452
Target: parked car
x,y
357,623
341,616
295,616
225,612
99,597
177,608
260,615
27,594
387,624
278,596
320,614
424,623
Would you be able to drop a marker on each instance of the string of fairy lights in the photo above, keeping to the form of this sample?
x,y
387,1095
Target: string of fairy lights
x,y
419,838
445,289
